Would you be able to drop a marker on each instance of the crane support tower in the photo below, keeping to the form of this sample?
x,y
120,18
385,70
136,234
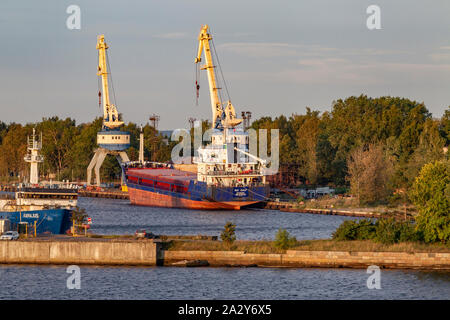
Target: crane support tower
x,y
111,140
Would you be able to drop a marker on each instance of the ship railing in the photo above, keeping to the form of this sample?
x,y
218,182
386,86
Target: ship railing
x,y
146,165
235,185
224,173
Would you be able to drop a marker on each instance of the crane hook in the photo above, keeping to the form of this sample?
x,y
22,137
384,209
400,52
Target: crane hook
x,y
197,87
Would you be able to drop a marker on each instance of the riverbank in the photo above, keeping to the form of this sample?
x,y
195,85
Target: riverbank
x,y
311,259
325,208
268,247
88,251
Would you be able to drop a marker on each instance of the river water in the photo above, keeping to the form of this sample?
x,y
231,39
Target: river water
x,y
118,217
111,216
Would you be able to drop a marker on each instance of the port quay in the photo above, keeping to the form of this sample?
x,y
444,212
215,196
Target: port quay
x,y
151,253
225,159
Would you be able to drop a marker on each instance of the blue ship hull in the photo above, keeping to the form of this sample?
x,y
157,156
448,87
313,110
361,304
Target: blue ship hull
x,y
55,221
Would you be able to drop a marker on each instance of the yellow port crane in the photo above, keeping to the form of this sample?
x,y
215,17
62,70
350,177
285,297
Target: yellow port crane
x,y
111,118
221,118
110,139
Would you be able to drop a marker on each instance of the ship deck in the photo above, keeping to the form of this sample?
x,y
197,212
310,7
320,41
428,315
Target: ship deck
x,y
170,175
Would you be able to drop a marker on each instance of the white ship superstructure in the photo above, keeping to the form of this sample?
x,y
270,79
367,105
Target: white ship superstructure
x,y
226,161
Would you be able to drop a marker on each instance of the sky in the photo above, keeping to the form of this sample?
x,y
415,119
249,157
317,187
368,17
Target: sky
x,y
277,57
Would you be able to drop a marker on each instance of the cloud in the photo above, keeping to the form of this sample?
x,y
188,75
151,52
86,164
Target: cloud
x,y
260,49
341,71
172,35
322,62
315,64
440,57
282,49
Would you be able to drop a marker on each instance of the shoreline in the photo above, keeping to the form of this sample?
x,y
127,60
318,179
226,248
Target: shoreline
x,y
151,253
269,205
364,212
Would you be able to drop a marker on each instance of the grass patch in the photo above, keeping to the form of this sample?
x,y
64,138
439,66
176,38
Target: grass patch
x,y
305,245
109,236
352,204
369,246
238,245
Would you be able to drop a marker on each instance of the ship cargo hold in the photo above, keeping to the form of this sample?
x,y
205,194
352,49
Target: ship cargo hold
x,y
168,187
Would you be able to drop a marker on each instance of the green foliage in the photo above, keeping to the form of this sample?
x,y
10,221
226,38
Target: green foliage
x,y
357,121
228,235
68,148
320,144
283,240
366,229
386,231
444,126
431,195
355,230
368,173
346,231
78,217
340,190
389,231
314,146
429,149
12,150
408,233
397,199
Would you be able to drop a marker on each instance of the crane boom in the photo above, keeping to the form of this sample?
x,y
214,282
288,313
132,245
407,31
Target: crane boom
x,y
262,161
110,115
216,105
220,117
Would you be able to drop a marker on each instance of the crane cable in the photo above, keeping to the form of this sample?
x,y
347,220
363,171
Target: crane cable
x,y
99,87
197,81
215,58
220,69
110,76
218,79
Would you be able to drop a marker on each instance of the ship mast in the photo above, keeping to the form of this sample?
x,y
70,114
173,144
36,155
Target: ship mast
x,y
110,115
220,118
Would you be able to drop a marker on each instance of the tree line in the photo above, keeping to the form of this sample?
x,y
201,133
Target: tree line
x,y
374,145
377,146
68,149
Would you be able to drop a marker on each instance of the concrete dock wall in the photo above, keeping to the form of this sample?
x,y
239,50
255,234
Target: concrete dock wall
x,y
149,253
80,252
326,259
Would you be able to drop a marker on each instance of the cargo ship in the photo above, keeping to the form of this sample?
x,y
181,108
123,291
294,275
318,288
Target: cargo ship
x,y
227,176
34,206
216,186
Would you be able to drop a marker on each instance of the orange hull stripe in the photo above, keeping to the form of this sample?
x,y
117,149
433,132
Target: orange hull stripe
x,y
153,199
